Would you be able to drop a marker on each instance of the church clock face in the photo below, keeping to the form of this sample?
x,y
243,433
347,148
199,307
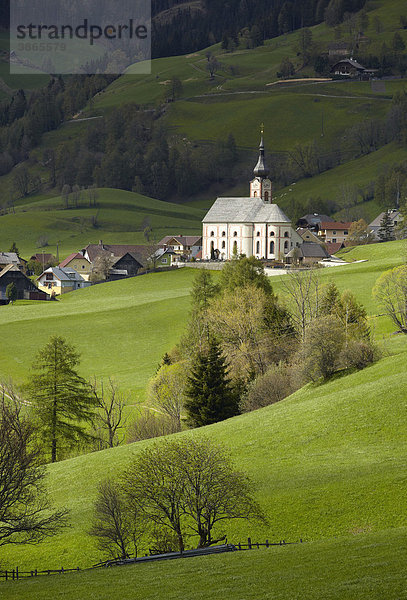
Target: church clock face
x,y
256,185
267,184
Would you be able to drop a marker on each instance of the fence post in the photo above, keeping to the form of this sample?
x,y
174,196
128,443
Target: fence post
x,y
249,543
16,572
267,543
36,572
258,546
6,575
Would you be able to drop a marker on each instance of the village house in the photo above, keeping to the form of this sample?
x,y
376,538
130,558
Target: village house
x,y
313,221
26,290
334,232
349,67
126,260
309,253
394,216
10,258
253,226
184,247
57,281
78,263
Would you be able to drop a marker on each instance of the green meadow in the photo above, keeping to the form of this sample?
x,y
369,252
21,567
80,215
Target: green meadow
x,y
328,461
361,567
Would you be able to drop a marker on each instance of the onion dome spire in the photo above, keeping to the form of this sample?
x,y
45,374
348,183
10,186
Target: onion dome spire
x,y
260,170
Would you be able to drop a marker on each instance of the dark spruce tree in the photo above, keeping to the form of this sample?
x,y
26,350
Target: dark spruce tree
x,y
386,231
211,396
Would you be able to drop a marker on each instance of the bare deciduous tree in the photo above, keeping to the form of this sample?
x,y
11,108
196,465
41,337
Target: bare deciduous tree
x,y
167,391
301,289
109,418
25,512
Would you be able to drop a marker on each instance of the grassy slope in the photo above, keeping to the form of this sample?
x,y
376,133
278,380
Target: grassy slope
x,y
327,461
360,568
120,217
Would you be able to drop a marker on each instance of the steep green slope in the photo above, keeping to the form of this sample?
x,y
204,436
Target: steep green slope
x,y
119,217
327,461
365,567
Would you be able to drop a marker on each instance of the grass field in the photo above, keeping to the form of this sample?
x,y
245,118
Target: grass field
x,y
328,461
120,219
364,567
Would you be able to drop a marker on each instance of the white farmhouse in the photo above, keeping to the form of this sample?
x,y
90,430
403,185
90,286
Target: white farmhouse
x,y
252,226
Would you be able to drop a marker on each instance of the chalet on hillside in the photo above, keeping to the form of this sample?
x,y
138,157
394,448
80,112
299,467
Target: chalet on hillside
x,y
338,49
26,290
352,69
126,259
127,265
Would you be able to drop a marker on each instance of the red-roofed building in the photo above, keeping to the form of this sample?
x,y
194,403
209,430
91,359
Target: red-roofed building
x,y
334,232
78,263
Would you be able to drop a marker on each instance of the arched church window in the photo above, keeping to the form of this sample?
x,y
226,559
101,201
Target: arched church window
x,y
258,248
272,234
258,234
235,248
266,196
212,246
286,246
271,247
212,234
255,195
223,245
235,234
223,233
286,234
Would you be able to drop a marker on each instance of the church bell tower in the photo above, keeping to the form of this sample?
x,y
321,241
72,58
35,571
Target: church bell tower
x,y
260,186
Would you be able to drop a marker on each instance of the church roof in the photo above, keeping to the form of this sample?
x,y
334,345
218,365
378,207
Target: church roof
x,y
244,210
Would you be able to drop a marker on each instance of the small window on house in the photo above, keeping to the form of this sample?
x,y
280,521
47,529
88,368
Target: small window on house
x,y
164,261
334,240
345,232
49,276
334,233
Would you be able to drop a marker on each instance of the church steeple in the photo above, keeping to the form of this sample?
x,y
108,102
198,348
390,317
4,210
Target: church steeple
x,y
260,170
260,186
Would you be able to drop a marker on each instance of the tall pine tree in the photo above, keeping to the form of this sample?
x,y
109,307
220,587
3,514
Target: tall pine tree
x,y
62,399
212,398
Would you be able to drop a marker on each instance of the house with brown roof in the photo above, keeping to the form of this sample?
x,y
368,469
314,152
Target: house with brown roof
x,y
78,263
334,232
308,253
125,260
10,258
352,69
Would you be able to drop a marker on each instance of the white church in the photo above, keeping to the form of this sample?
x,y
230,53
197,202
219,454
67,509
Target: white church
x,y
252,226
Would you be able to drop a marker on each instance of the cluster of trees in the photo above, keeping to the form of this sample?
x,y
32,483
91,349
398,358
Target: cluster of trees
x,y
244,349
131,150
23,120
173,491
254,20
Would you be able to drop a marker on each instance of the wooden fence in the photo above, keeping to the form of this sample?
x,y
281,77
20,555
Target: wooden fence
x,y
15,574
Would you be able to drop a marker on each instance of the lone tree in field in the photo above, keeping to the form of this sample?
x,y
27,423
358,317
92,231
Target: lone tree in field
x,y
25,513
61,398
210,394
188,487
391,293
